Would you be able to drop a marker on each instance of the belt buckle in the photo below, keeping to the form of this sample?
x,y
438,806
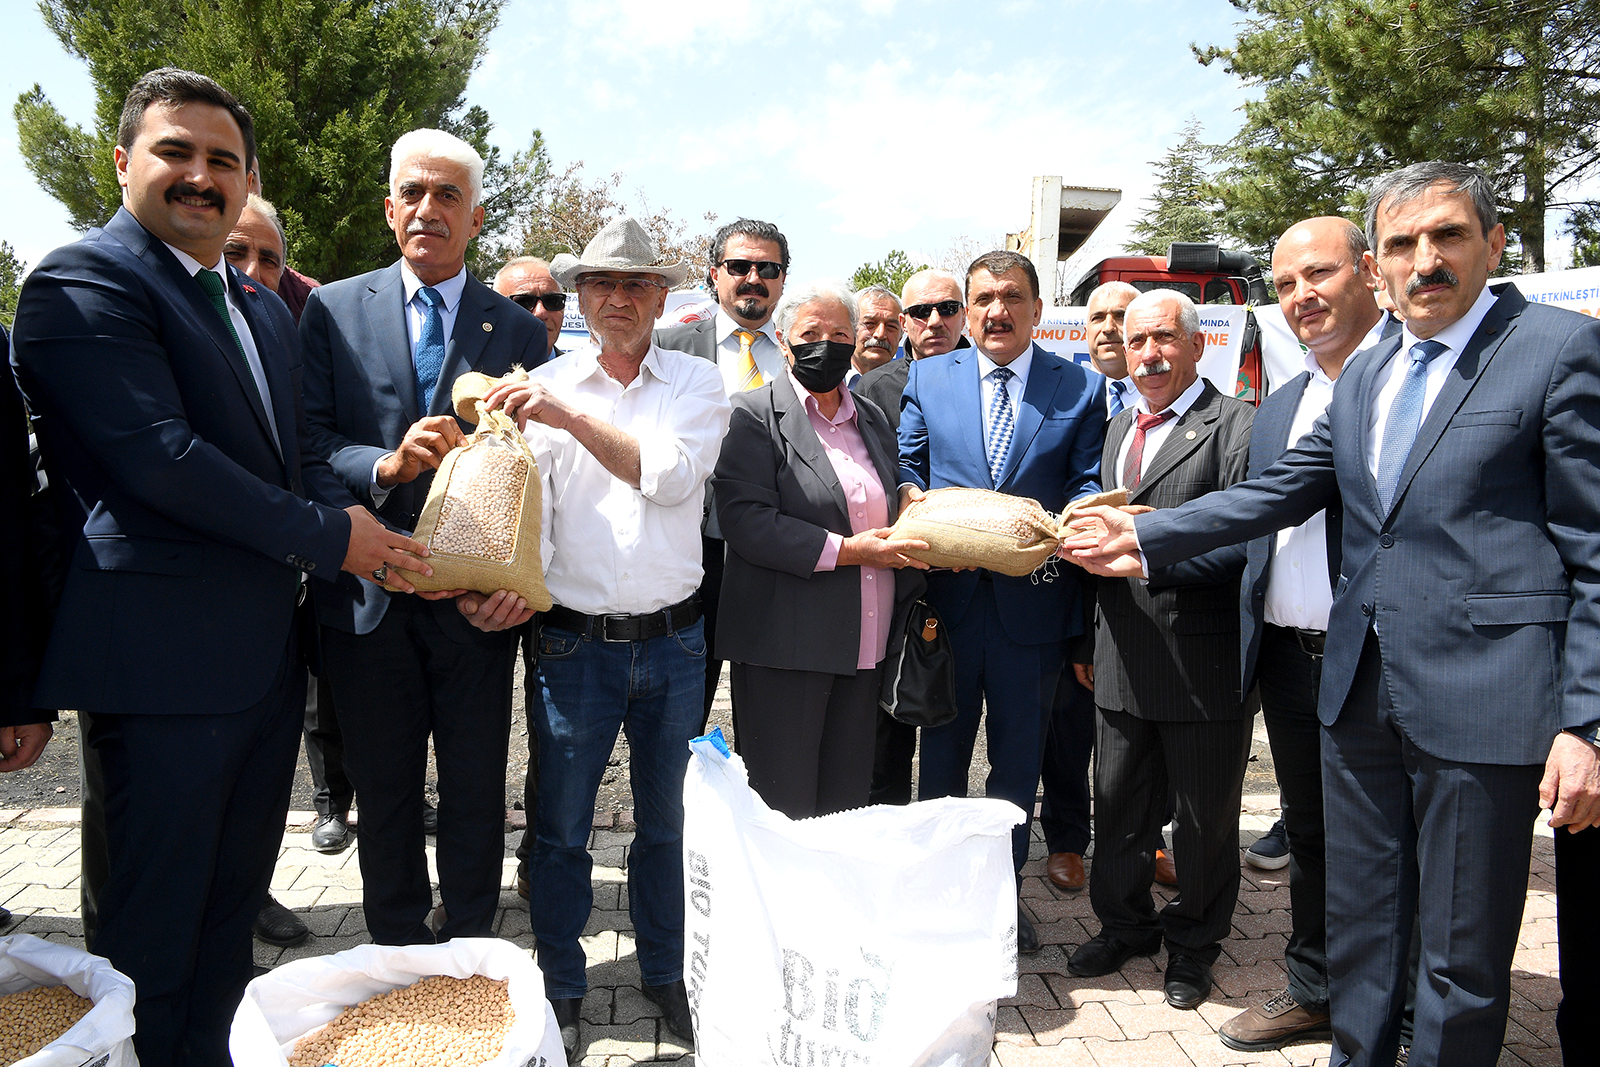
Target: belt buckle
x,y
605,628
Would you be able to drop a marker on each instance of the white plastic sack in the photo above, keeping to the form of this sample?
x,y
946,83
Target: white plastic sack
x,y
881,936
102,1038
292,1000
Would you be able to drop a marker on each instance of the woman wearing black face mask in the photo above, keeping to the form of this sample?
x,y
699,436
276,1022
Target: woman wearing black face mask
x,y
805,492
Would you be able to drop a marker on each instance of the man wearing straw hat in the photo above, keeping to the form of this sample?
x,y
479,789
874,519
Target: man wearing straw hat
x,y
625,434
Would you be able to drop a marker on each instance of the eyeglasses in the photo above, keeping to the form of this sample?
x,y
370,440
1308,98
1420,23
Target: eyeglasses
x,y
551,301
633,288
946,308
764,268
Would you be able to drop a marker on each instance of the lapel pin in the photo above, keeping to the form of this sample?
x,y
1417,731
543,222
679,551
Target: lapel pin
x,y
247,289
1190,435
488,327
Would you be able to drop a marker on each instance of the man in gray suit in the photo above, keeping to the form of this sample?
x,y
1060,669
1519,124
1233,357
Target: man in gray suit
x,y
1171,715
382,350
749,265
1460,678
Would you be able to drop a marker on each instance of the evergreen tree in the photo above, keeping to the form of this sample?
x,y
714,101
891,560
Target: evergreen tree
x,y
11,269
1182,208
890,272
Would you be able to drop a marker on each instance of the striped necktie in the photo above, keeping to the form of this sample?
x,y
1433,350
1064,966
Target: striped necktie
x,y
1133,466
1002,422
749,373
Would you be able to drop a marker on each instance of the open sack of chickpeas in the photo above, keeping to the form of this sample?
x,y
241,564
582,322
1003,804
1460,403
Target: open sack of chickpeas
x,y
481,518
62,1007
473,1000
999,532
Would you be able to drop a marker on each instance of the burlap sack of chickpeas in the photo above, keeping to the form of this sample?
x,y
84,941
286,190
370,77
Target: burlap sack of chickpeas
x,y
481,519
981,528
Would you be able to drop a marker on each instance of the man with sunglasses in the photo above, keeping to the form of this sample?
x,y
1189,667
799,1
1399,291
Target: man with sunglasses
x,y
749,264
526,281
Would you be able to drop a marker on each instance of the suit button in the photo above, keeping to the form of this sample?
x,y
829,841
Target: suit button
x,y
1366,609
308,566
1386,541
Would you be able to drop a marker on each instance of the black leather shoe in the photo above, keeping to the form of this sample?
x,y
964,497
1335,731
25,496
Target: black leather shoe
x,y
567,1012
1027,936
277,925
673,1000
1188,981
331,834
430,819
1104,954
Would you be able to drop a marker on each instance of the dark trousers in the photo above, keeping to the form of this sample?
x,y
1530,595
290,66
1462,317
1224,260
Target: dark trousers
x,y
1578,926
894,746
93,858
1016,683
532,706
1137,762
325,751
1064,775
407,679
1289,678
712,556
1424,841
807,736
176,911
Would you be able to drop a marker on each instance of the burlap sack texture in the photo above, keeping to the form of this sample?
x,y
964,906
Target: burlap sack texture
x,y
996,531
481,519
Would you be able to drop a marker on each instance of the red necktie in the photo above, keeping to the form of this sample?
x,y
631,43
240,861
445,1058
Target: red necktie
x,y
1134,466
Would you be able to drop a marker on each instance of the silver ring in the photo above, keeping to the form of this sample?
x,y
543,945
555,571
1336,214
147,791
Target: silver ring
x,y
381,574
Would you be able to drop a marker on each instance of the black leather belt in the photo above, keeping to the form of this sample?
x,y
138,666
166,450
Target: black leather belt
x,y
626,627
1311,642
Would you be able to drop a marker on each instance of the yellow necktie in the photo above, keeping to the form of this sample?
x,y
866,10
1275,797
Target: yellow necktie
x,y
749,375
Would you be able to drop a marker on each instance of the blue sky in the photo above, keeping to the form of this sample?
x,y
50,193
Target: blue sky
x,y
858,126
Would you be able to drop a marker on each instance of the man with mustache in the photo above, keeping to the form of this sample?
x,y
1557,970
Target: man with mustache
x,y
164,387
382,351
749,264
1003,415
878,331
526,281
1463,649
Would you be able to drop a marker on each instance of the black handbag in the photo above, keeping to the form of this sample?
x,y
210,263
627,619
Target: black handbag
x,y
919,672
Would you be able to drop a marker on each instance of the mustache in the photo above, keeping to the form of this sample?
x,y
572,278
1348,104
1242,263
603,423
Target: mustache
x,y
876,342
1144,370
997,327
1442,276
210,196
416,226
751,289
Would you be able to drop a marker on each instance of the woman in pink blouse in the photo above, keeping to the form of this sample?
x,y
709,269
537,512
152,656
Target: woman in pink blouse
x,y
805,492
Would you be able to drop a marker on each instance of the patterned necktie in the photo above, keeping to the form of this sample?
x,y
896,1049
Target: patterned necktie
x,y
429,357
212,284
1405,418
1002,423
749,374
1133,467
1114,401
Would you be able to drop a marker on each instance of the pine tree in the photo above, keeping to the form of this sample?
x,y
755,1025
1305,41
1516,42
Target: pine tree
x,y
1182,208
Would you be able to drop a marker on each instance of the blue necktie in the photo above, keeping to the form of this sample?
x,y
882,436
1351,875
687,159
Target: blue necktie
x,y
1002,423
429,357
1114,401
1405,417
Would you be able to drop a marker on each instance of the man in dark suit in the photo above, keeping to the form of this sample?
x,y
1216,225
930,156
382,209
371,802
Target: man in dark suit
x,y
383,350
933,322
1463,644
1171,715
1325,292
749,266
165,388
1009,416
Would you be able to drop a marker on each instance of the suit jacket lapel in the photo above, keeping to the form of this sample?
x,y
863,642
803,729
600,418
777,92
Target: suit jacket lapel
x,y
464,349
386,325
795,425
1116,432
963,369
1187,434
1276,427
885,461
1044,376
270,348
1366,388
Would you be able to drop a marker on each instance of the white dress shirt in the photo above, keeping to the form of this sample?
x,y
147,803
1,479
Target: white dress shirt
x,y
1015,387
606,546
1153,438
764,350
1455,336
247,340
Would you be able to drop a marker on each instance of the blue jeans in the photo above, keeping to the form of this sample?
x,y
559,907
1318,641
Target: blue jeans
x,y
654,690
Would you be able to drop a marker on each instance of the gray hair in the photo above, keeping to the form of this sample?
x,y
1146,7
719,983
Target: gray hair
x,y
1188,314
796,297
1406,184
263,207
1108,288
883,292
522,261
436,144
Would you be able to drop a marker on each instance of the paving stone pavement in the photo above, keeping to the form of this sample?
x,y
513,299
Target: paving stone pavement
x,y
1055,1019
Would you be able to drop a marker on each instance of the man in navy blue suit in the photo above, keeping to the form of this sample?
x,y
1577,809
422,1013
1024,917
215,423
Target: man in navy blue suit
x,y
1009,416
1461,678
382,352
166,393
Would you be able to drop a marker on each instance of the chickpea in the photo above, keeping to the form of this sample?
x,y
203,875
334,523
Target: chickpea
x,y
437,1021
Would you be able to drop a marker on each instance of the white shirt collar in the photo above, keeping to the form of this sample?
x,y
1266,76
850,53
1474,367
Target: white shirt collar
x,y
726,326
449,290
1456,335
1018,366
192,265
587,358
1179,407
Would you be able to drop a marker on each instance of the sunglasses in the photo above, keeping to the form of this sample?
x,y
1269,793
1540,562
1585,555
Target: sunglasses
x,y
551,301
764,268
946,308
